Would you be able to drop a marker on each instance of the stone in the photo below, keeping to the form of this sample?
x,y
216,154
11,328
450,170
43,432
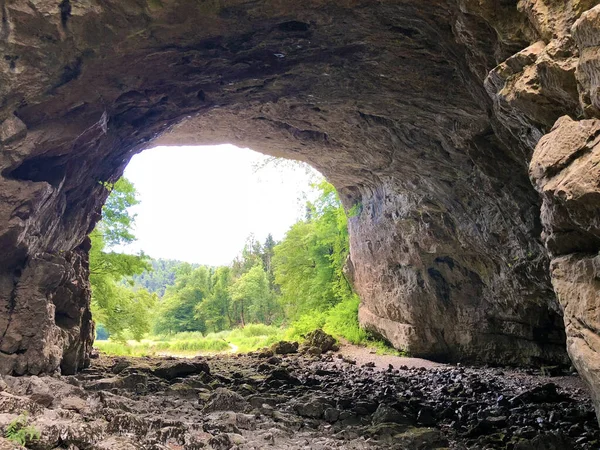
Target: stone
x,y
284,347
426,416
169,370
12,129
225,400
318,342
5,444
331,415
45,400
565,170
74,403
387,414
181,390
445,251
311,408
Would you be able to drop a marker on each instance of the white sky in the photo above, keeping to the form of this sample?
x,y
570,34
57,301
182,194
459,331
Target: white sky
x,y
199,204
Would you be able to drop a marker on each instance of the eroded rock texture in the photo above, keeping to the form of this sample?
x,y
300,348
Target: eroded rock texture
x,y
392,100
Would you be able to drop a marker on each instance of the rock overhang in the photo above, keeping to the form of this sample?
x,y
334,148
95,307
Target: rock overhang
x,y
387,99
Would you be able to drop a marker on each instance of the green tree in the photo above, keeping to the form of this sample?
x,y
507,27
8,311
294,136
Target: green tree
x,y
215,310
114,304
249,295
309,262
177,311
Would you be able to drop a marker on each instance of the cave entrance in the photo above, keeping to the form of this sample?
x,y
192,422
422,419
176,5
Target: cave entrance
x,y
198,245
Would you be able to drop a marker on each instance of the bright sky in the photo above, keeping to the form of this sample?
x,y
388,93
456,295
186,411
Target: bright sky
x,y
199,204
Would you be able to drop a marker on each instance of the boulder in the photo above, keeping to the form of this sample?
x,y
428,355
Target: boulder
x,y
226,400
284,347
318,342
169,370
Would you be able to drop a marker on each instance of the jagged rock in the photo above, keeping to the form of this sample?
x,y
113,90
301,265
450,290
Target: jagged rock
x,y
387,414
182,390
225,400
313,408
565,169
386,99
5,444
12,129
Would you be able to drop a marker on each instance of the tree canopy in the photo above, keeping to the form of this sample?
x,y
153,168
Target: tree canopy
x,y
299,281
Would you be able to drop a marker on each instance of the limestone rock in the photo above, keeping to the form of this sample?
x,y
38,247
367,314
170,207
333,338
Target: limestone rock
x,y
176,369
565,169
284,347
318,342
12,129
385,98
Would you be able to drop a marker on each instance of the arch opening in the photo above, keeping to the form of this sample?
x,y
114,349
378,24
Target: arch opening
x,y
410,111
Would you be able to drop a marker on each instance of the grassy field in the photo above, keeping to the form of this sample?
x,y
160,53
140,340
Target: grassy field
x,y
249,338
340,321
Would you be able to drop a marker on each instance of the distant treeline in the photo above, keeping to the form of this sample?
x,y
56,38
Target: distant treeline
x,y
298,282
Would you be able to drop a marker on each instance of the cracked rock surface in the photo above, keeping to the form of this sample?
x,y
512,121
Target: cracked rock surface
x,y
298,402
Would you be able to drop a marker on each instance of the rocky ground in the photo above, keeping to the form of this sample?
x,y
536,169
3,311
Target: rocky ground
x,y
298,401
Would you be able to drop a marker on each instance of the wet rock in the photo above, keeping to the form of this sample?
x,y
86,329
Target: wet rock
x,y
284,375
546,393
547,441
426,416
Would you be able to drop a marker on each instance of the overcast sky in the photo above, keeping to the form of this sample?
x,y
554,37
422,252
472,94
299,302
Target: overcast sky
x,y
199,204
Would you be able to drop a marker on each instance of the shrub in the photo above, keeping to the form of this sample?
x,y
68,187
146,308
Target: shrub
x,y
19,432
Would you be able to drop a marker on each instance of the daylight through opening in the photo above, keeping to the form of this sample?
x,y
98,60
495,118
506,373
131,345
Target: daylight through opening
x,y
217,248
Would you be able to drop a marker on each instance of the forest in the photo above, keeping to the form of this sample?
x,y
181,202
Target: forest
x,y
270,291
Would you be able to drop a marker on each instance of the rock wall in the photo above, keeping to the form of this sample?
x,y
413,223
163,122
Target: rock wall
x,y
424,115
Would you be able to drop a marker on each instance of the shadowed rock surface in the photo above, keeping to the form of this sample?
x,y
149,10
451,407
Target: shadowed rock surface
x,y
325,403
424,115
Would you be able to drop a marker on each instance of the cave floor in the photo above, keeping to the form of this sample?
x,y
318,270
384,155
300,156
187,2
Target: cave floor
x,y
350,400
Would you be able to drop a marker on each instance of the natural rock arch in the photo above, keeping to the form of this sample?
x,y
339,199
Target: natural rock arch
x,y
391,100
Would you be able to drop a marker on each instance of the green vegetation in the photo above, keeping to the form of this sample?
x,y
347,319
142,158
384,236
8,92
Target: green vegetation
x,y
272,291
249,338
20,432
115,304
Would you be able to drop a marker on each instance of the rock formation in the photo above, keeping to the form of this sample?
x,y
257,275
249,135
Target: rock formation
x,y
424,115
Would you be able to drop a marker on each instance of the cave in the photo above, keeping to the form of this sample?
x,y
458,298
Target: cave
x,y
464,133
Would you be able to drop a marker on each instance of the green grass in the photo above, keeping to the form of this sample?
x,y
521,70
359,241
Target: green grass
x,y
249,338
341,321
180,344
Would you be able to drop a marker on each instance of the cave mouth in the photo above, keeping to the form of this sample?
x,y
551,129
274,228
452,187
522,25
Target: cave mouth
x,y
195,240
422,117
